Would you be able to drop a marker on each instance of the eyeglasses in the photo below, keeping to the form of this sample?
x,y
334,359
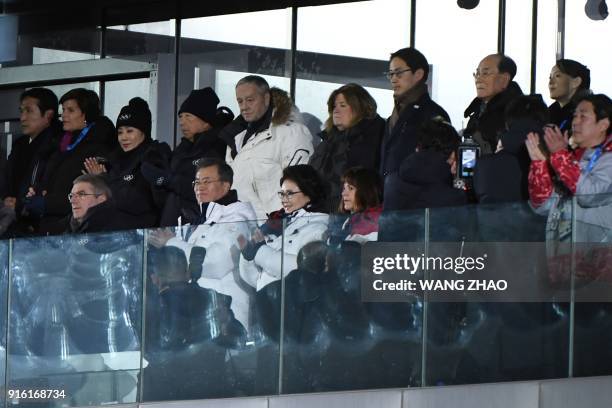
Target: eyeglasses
x,y
483,74
398,73
80,195
287,194
204,182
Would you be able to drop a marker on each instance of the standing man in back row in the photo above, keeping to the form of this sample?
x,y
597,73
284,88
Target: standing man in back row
x,y
274,138
408,73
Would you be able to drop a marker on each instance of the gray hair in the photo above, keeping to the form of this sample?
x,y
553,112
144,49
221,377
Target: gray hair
x,y
262,85
97,182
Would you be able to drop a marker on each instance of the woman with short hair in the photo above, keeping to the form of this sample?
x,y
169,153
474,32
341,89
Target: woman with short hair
x,y
272,251
352,137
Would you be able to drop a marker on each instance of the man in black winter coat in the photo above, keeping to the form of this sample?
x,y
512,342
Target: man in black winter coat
x,y
92,207
30,152
495,89
408,73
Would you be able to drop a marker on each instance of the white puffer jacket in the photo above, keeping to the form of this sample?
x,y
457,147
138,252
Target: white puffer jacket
x,y
224,223
302,228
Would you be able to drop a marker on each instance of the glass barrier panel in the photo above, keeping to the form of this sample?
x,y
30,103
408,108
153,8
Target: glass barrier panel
x,y
75,319
340,332
592,279
4,258
209,332
496,316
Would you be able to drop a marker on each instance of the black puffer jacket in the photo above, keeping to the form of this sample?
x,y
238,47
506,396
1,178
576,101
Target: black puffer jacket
x,y
424,181
182,172
341,150
138,201
502,177
488,122
64,167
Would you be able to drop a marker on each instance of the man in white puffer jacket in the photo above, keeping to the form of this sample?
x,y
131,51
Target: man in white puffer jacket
x,y
221,220
274,138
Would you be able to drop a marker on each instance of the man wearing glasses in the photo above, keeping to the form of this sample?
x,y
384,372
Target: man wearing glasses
x,y
92,209
221,219
408,73
495,89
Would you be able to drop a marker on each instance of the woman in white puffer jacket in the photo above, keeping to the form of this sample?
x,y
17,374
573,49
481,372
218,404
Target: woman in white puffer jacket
x,y
265,257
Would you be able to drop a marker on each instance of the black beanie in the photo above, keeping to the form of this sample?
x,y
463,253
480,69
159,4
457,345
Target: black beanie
x,y
202,103
136,114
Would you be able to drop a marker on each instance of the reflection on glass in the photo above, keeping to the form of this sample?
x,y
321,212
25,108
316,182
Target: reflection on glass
x,y
75,316
455,57
4,246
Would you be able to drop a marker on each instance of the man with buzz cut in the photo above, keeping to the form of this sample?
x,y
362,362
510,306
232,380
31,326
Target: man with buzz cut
x,y
274,138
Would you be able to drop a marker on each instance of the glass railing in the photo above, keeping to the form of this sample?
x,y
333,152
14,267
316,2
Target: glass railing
x,y
138,316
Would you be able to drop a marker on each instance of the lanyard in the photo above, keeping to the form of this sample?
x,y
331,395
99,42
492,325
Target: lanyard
x,y
80,138
596,155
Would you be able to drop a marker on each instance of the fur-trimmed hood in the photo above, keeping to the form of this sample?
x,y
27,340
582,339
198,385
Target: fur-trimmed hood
x,y
284,109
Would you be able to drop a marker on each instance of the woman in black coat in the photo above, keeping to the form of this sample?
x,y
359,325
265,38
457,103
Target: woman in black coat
x,y
569,80
352,137
87,134
138,202
200,122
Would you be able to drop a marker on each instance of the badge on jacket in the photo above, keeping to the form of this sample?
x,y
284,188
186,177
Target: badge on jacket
x,y
128,177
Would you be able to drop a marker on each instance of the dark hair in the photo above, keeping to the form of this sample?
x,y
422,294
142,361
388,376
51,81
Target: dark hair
x,y
226,174
88,102
602,106
312,257
439,136
98,183
506,65
576,70
171,265
360,101
310,183
368,184
46,100
527,107
414,59
261,84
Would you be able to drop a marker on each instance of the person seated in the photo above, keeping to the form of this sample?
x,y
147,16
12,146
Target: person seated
x,y
30,153
352,137
92,206
361,199
584,172
273,139
569,81
502,177
220,219
495,89
87,134
425,178
138,201
271,250
201,121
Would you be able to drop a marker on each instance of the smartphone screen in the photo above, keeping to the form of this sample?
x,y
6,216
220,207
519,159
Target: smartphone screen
x,y
468,162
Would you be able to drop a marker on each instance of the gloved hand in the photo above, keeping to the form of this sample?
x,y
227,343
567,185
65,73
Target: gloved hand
x,y
154,175
250,249
34,205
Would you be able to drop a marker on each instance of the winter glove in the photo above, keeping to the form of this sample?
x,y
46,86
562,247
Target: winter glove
x,y
34,205
154,175
251,248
